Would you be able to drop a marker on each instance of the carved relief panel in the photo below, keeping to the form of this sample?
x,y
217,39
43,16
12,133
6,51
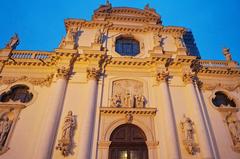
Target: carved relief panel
x,y
128,93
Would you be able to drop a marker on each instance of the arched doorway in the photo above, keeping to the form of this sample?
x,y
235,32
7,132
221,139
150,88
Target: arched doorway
x,y
128,142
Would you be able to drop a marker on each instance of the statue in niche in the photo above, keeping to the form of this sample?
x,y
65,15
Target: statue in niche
x,y
188,134
179,42
116,101
139,101
157,38
227,54
98,37
234,129
128,100
14,41
5,125
65,143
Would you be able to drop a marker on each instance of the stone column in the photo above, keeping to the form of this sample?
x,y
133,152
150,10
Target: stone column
x,y
170,126
49,129
202,133
87,127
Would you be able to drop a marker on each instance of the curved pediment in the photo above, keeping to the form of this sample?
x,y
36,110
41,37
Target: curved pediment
x,y
147,15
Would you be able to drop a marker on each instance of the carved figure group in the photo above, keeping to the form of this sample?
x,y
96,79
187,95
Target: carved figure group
x,y
65,143
5,125
188,134
128,100
234,128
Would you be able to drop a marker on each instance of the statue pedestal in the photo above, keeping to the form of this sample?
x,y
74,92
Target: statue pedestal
x,y
182,51
96,46
4,53
158,50
232,64
67,45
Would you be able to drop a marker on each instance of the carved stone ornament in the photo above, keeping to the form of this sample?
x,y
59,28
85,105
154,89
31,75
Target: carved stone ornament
x,y
188,135
8,116
38,81
63,72
162,76
129,118
93,73
233,125
128,93
189,77
65,144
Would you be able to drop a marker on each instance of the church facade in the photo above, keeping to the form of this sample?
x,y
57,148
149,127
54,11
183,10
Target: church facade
x,y
120,86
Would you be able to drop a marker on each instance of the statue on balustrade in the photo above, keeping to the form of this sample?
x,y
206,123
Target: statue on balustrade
x,y
14,41
65,143
227,54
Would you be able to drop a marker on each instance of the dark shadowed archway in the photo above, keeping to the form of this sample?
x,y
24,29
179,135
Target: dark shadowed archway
x,y
128,142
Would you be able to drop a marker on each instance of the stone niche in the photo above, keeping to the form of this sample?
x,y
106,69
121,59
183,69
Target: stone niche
x,y
128,93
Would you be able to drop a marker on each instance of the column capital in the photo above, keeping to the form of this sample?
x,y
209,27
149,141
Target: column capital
x,y
93,73
63,72
189,77
162,76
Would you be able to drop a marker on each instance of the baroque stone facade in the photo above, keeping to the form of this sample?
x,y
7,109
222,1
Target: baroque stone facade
x,y
136,90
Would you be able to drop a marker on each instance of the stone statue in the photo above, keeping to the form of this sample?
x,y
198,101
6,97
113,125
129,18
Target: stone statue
x,y
139,101
98,37
227,54
128,100
234,128
5,125
188,131
156,39
14,41
116,101
179,42
65,143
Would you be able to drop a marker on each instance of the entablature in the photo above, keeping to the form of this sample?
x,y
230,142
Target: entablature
x,y
136,111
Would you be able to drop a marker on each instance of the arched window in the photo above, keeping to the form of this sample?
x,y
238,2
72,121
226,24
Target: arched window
x,y
222,99
127,46
17,93
128,142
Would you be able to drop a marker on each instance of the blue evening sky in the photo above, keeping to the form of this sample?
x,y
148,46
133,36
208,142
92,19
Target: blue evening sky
x,y
40,23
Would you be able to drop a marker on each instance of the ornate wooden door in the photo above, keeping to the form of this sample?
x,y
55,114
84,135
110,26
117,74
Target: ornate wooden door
x,y
128,142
